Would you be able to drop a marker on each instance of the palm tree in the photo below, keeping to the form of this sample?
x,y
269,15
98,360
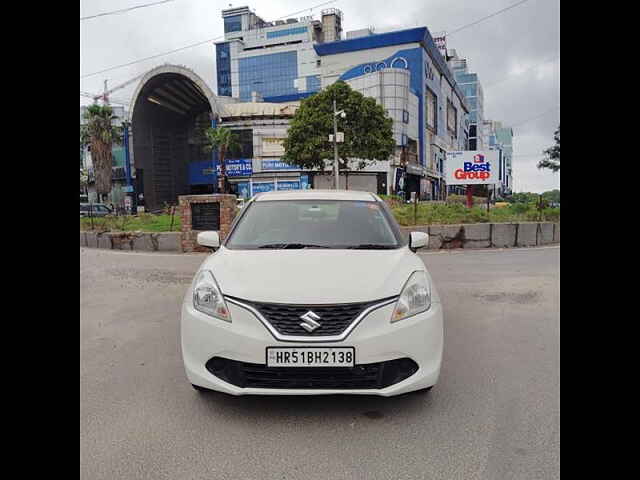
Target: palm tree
x,y
223,140
100,134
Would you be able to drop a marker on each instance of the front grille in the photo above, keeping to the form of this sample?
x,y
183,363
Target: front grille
x,y
370,376
334,319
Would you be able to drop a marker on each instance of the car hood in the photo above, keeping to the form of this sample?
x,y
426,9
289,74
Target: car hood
x,y
312,276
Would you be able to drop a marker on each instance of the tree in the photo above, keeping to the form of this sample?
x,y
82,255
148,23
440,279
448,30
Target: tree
x,y
223,140
553,154
368,134
100,134
523,197
552,196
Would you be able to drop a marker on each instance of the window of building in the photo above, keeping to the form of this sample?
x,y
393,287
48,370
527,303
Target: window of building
x,y
223,66
318,63
233,24
405,116
313,83
473,144
412,146
431,110
289,31
469,90
452,119
270,75
472,131
245,144
411,150
468,78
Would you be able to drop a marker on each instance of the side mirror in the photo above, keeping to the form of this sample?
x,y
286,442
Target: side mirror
x,y
209,239
418,240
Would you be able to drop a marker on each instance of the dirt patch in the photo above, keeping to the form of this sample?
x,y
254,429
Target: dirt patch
x,y
511,298
153,276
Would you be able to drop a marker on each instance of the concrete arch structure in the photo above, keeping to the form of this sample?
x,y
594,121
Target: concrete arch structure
x,y
171,107
216,103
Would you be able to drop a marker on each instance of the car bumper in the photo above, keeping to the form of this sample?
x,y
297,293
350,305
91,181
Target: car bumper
x,y
375,339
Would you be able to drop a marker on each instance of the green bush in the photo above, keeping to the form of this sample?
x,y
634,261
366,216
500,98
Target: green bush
x,y
518,208
454,213
462,199
392,200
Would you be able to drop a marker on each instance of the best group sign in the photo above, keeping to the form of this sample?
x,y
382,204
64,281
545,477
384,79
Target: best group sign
x,y
472,168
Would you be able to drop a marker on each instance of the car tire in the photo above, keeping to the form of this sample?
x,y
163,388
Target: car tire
x,y
200,389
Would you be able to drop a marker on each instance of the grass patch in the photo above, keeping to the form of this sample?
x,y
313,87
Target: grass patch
x,y
144,222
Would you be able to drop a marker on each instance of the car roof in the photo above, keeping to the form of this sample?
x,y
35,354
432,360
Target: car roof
x,y
316,195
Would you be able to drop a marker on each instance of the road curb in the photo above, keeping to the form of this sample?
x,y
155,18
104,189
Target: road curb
x,y
441,237
136,241
488,235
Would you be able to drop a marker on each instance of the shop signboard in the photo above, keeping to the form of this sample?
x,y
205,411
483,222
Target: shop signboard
x,y
440,40
277,164
202,172
414,169
304,182
240,167
260,187
472,168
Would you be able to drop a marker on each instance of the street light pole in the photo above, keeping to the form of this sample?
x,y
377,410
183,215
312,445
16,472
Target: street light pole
x,y
335,145
127,166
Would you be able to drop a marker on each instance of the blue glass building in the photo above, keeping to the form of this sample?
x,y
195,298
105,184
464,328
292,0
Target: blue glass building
x,y
287,60
472,89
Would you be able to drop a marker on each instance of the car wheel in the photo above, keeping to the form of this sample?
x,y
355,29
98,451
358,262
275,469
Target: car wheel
x,y
200,389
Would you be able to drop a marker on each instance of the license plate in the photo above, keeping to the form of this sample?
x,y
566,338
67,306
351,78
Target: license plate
x,y
311,357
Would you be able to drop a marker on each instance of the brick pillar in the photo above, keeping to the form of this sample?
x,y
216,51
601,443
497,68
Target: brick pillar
x,y
227,214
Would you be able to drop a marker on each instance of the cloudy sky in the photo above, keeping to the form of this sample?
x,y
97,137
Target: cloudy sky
x,y
515,53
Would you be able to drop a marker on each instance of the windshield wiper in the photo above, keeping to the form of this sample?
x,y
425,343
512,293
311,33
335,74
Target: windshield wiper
x,y
291,245
371,246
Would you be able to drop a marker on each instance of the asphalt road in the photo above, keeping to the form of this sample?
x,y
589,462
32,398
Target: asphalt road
x,y
495,414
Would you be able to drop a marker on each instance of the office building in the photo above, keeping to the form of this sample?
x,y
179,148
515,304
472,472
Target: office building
x,y
288,60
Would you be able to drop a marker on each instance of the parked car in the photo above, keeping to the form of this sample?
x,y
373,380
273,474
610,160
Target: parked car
x,y
94,209
313,292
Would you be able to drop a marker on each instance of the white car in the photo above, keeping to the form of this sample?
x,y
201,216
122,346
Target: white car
x,y
313,292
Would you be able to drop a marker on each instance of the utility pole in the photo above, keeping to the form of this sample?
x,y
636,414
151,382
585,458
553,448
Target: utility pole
x,y
105,95
335,146
214,158
336,168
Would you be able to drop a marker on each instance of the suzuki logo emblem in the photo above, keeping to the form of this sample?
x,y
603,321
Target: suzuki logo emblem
x,y
310,321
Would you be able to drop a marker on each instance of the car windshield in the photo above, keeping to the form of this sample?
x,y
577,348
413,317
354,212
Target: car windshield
x,y
293,224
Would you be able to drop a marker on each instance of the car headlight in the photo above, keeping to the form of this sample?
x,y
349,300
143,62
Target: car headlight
x,y
207,297
414,298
